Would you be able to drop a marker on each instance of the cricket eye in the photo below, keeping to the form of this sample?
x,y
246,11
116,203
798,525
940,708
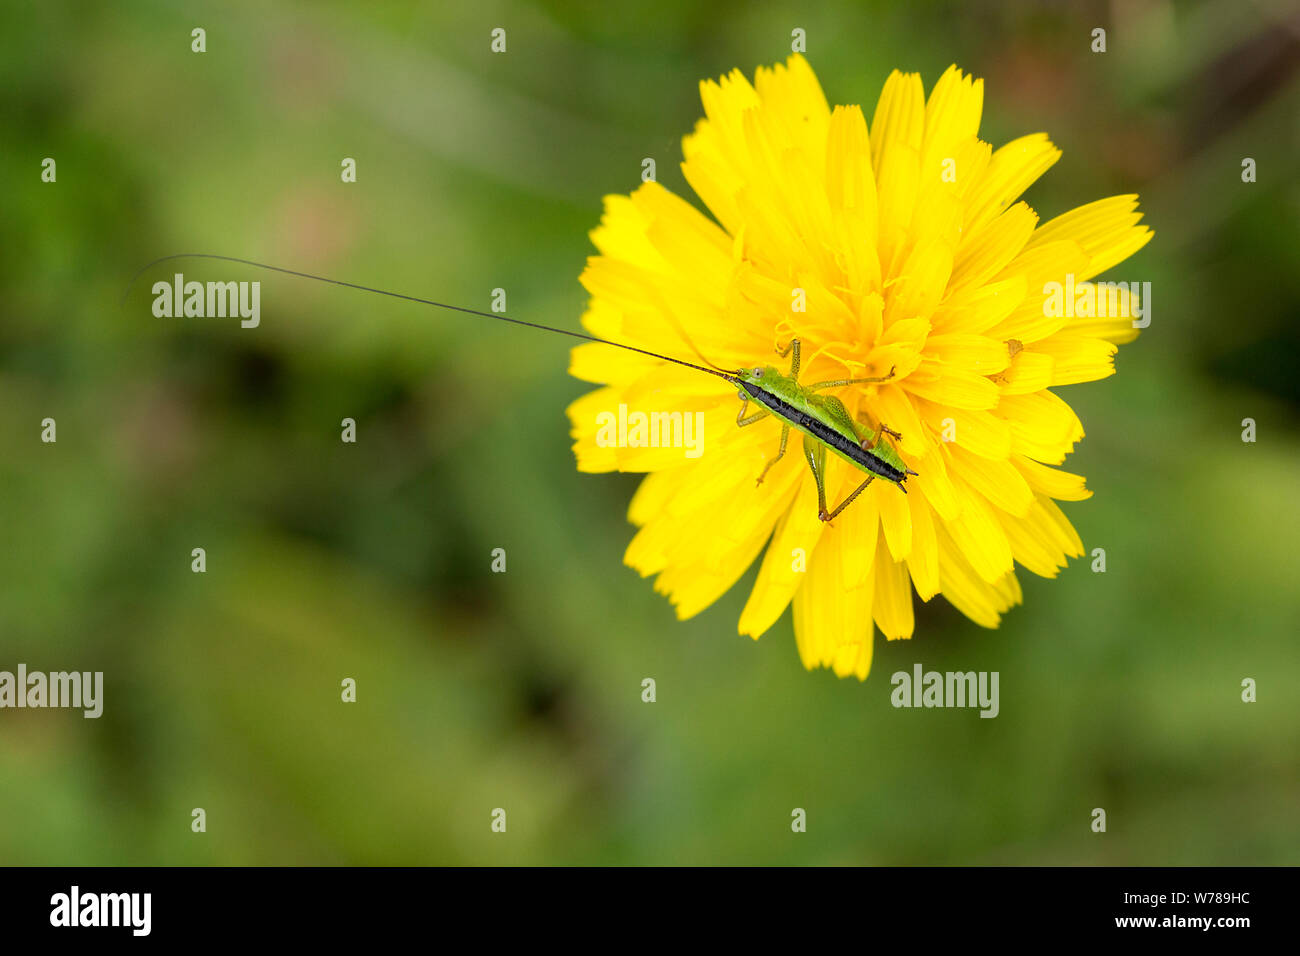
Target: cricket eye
x,y
758,373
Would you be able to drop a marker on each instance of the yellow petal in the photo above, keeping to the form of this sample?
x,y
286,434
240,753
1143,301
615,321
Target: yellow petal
x,y
582,414
980,601
952,115
895,522
1035,541
998,481
860,522
1107,230
832,624
899,120
892,605
1077,358
923,562
1043,427
778,576
986,251
1051,481
1028,372
1013,169
981,432
895,408
850,179
978,535
946,385
794,97
974,310
976,353
920,285
1050,263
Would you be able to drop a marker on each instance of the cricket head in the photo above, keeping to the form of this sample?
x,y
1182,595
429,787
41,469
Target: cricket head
x,y
764,377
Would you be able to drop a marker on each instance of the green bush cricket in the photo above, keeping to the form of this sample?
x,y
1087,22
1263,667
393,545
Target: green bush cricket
x,y
824,421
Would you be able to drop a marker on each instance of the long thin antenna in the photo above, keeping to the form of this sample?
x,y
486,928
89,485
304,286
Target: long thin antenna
x,y
440,305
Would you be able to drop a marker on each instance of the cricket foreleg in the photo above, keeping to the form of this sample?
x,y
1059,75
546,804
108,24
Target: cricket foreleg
x,y
741,420
794,362
780,453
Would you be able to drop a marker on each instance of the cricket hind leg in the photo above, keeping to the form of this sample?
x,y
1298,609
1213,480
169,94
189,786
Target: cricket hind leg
x,y
870,438
847,501
878,436
815,453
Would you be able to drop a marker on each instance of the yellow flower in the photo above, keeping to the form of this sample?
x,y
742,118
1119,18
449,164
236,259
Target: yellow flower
x,y
910,252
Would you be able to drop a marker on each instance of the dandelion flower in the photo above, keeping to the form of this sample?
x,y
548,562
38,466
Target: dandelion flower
x,y
907,248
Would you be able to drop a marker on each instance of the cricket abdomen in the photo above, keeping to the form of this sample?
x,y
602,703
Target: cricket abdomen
x,y
845,445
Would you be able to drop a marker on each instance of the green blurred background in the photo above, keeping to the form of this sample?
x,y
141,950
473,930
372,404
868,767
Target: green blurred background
x,y
523,691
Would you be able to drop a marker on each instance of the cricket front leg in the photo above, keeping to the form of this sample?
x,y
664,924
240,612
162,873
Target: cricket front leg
x,y
794,362
741,420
